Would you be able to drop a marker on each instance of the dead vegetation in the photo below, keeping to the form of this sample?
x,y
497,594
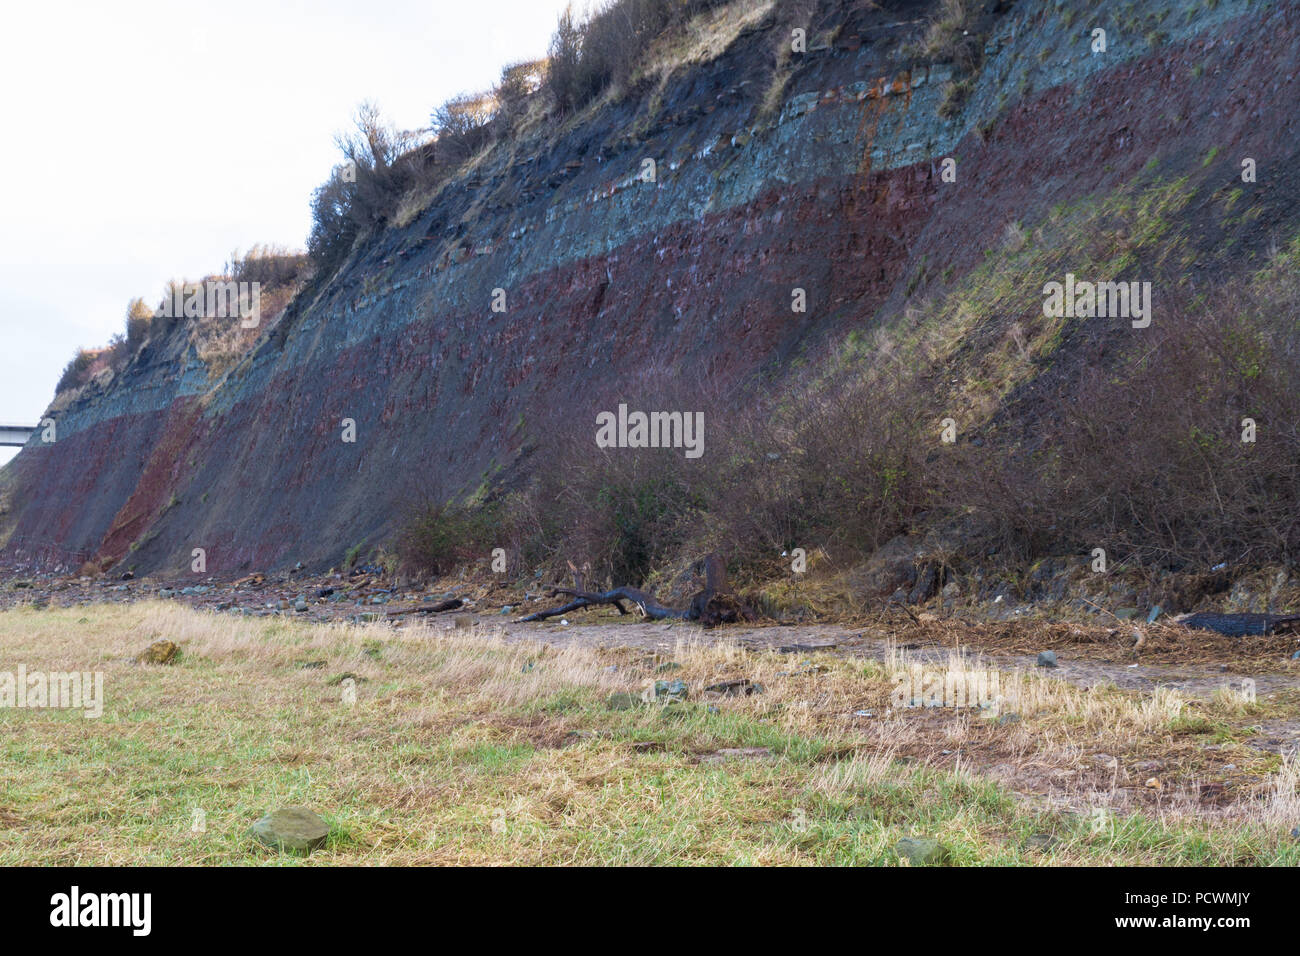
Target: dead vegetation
x,y
1158,643
1175,454
461,748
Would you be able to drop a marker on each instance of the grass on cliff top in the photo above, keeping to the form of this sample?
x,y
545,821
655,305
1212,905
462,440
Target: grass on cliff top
x,y
462,749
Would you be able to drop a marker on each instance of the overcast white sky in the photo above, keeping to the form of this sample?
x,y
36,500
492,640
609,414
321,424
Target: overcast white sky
x,y
147,139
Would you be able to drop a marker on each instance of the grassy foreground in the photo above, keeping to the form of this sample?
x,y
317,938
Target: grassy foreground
x,y
461,749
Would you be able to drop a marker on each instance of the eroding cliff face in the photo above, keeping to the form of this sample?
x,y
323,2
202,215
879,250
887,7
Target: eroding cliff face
x,y
838,191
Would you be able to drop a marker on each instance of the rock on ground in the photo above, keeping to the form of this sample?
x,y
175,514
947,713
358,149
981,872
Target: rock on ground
x,y
159,652
921,851
293,830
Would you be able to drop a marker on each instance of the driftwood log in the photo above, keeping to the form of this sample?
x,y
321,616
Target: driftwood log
x,y
715,604
429,608
1241,625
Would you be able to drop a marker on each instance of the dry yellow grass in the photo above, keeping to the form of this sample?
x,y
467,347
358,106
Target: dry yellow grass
x,y
461,748
704,38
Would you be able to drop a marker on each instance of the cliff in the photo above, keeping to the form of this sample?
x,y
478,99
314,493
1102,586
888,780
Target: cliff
x,y
821,171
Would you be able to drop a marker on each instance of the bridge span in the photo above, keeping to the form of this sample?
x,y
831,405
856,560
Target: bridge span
x,y
15,436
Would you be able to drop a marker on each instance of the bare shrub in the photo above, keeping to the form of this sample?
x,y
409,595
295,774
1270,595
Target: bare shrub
x,y
842,467
436,538
270,265
378,153
1140,453
621,511
333,229
139,317
462,126
568,84
75,373
519,81
587,58
380,164
1144,455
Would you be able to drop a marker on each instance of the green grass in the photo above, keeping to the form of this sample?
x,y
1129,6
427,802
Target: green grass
x,y
456,751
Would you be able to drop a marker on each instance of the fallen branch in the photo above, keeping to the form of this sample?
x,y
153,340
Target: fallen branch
x,y
906,610
429,608
806,648
644,602
713,605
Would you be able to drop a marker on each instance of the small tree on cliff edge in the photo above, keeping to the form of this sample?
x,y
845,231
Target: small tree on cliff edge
x,y
564,75
138,318
462,124
362,192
